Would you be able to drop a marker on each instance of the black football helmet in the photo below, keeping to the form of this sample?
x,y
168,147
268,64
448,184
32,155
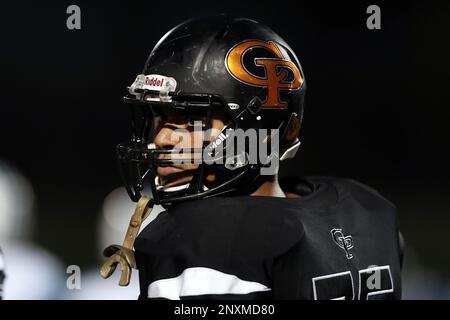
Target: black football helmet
x,y
236,64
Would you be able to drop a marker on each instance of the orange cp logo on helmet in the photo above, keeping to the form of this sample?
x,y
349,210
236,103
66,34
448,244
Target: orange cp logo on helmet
x,y
276,73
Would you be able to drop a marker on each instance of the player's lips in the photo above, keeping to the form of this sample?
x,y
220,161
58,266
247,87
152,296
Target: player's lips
x,y
165,170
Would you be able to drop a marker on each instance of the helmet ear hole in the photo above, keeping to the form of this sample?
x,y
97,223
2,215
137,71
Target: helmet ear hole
x,y
291,137
293,128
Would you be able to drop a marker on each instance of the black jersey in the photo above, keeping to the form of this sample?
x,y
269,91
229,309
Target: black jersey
x,y
339,240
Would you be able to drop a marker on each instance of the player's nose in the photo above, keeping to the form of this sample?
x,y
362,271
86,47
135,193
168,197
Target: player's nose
x,y
167,137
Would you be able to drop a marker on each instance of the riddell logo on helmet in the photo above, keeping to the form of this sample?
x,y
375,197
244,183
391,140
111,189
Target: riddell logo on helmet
x,y
277,77
155,82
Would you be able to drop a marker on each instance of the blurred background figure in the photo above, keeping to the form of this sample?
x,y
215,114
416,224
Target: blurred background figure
x,y
2,274
112,225
31,272
420,282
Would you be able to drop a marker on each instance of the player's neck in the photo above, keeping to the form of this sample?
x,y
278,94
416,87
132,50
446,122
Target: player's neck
x,y
270,188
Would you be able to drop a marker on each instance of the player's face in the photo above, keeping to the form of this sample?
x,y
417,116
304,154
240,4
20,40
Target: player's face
x,y
177,131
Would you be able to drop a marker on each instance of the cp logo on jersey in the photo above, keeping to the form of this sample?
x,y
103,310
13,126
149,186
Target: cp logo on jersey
x,y
344,242
276,64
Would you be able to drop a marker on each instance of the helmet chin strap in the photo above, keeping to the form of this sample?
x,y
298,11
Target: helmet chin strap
x,y
124,254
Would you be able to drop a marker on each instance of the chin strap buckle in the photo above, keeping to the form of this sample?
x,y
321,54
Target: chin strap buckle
x,y
124,254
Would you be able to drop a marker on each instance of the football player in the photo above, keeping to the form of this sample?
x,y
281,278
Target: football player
x,y
231,229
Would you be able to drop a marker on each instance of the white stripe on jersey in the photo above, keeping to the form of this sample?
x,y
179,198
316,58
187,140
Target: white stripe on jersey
x,y
202,281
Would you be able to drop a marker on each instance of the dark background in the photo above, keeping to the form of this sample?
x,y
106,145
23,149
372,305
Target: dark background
x,y
377,105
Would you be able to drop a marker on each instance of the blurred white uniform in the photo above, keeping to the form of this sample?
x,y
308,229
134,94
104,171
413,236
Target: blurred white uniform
x,y
31,271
